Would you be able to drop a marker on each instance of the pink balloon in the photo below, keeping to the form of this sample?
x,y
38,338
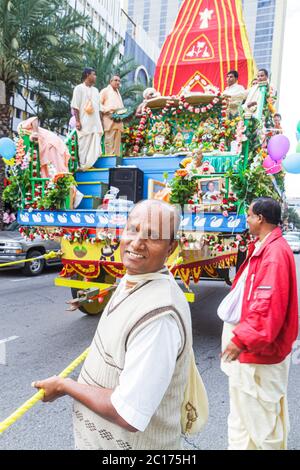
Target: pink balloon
x,y
268,162
275,169
72,123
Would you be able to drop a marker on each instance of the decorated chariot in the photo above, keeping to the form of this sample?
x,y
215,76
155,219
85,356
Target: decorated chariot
x,y
190,149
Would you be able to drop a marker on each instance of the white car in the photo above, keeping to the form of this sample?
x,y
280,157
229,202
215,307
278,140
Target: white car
x,y
294,242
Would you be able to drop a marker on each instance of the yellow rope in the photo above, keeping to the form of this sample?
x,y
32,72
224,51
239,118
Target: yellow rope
x,y
51,255
39,396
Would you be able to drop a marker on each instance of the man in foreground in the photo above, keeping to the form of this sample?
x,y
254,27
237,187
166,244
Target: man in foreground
x,y
260,326
131,387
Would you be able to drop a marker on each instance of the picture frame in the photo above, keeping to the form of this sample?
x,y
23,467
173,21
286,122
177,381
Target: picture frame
x,y
211,191
155,188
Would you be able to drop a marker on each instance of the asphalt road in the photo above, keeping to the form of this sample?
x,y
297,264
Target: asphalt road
x,y
45,339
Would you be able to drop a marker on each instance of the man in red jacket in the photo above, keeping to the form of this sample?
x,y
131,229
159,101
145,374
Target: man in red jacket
x,y
260,326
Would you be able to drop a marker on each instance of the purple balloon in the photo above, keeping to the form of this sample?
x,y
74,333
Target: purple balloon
x,y
72,123
278,147
268,162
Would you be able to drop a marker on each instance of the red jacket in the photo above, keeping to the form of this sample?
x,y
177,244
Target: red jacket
x,y
269,321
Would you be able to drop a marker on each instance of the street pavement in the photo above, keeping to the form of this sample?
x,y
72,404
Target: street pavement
x,y
45,339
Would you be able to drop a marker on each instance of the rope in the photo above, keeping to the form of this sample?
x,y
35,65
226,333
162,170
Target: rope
x,y
40,395
51,255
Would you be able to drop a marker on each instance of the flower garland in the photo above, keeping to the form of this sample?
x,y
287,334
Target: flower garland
x,y
183,105
217,244
79,235
229,204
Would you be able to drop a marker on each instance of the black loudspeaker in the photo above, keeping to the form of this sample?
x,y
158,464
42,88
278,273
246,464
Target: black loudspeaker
x,y
130,182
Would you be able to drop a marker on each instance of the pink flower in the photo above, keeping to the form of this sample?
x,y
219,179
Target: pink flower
x,y
225,214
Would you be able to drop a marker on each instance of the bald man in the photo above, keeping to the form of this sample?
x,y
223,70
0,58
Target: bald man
x,y
130,391
110,102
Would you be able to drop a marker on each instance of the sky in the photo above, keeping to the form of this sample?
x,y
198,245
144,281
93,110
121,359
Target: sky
x,y
289,105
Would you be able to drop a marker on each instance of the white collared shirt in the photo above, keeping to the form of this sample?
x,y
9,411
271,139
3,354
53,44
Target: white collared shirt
x,y
149,366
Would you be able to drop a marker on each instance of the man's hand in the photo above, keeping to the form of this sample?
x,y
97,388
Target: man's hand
x,y
53,388
78,125
231,353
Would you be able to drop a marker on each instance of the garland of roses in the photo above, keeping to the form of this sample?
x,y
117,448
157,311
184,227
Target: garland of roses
x,y
183,105
79,235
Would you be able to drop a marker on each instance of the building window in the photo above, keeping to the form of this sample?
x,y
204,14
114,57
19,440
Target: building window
x,y
141,76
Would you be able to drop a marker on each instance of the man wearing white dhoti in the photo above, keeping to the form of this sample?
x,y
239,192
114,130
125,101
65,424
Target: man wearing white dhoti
x,y
86,106
260,326
111,101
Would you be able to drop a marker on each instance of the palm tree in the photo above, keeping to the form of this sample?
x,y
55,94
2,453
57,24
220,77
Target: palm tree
x,y
107,62
37,43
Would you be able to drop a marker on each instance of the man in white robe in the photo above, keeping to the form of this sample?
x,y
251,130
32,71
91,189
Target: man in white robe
x,y
235,93
86,107
254,93
111,101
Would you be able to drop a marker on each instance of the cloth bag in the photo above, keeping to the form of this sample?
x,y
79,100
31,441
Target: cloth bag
x,y
230,309
89,108
195,408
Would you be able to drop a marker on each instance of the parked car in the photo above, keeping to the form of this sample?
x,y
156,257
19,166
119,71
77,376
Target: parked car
x,y
293,241
14,247
294,234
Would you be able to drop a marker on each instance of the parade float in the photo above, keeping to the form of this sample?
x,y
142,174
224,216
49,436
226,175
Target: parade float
x,y
191,151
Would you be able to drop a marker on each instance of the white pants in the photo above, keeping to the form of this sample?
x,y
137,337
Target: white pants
x,y
256,424
89,146
258,416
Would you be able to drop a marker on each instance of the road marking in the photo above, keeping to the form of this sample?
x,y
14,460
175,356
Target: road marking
x,y
3,342
7,340
30,279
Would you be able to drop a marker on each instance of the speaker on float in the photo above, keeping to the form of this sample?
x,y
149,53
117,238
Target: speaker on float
x,y
130,182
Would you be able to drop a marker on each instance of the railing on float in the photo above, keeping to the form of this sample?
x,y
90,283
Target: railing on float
x,y
35,168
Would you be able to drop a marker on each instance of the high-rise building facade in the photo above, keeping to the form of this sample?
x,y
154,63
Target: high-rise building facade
x,y
265,20
155,16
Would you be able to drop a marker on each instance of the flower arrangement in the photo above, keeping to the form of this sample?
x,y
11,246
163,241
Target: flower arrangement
x,y
182,188
218,244
57,192
79,235
229,204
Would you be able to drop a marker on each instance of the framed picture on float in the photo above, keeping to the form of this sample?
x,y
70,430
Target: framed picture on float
x,y
211,190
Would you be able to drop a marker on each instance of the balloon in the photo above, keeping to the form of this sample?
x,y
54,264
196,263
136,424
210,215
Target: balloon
x,y
278,147
298,148
7,148
298,127
291,163
275,169
268,162
72,123
298,136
